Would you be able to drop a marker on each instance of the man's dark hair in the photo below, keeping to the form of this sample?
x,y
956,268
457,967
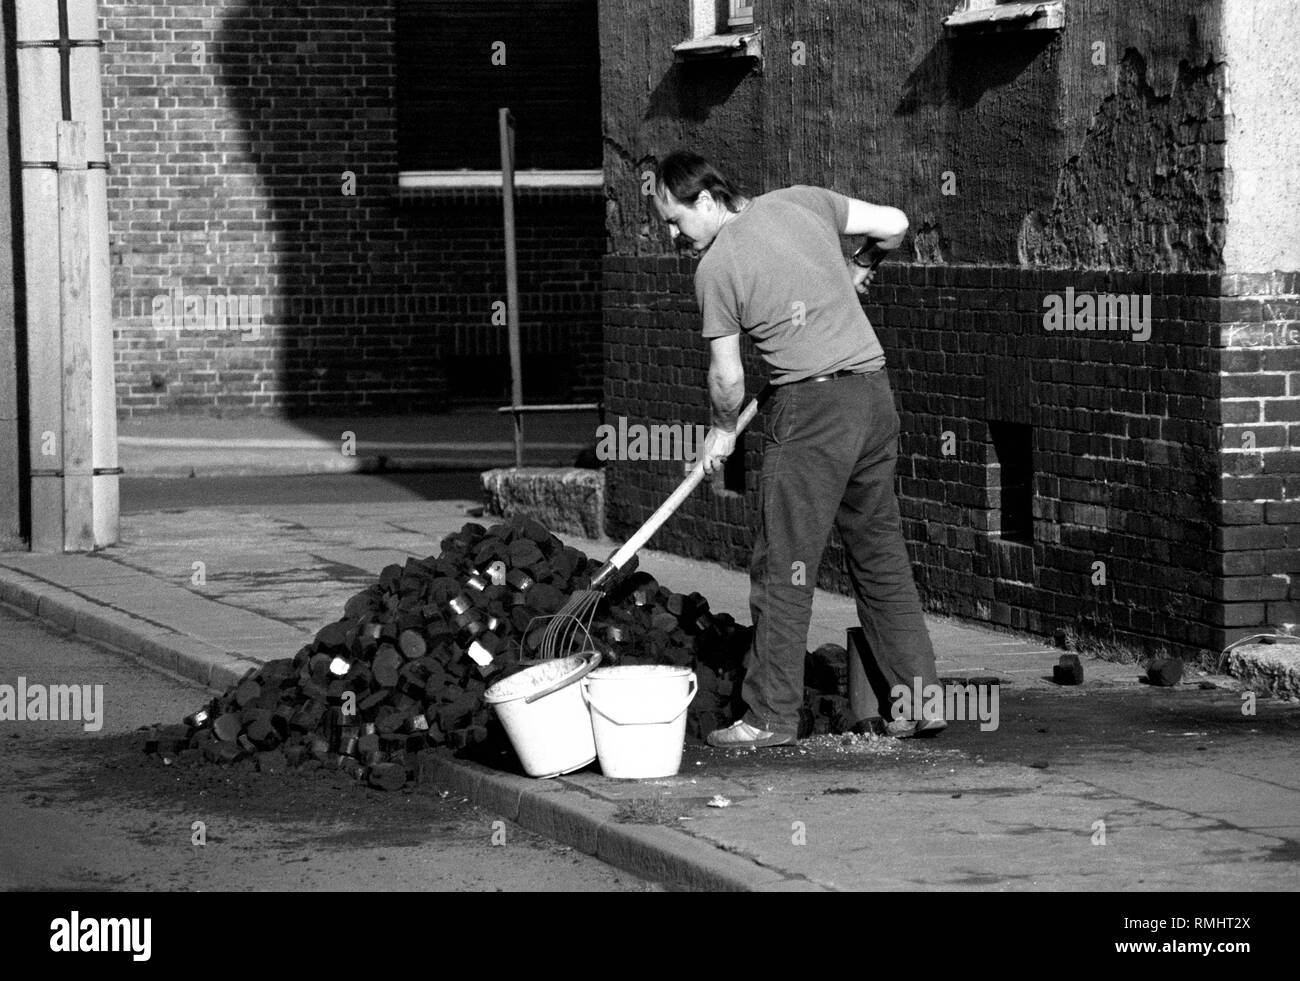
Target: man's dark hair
x,y
686,174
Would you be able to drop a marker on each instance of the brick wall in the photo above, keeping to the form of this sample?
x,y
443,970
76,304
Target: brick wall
x,y
1257,541
230,126
1125,445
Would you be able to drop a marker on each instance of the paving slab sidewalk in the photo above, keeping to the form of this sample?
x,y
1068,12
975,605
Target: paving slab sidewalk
x,y
209,592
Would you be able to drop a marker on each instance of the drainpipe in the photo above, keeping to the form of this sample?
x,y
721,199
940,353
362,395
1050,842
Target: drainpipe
x,y
13,372
72,438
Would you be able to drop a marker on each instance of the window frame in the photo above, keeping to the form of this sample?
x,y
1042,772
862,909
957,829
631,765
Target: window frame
x,y
738,37
740,13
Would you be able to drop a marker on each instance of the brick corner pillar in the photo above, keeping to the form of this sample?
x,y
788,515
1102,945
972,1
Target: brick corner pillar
x,y
1257,538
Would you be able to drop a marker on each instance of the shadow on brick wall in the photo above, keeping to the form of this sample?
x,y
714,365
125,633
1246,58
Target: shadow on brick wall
x,y
345,296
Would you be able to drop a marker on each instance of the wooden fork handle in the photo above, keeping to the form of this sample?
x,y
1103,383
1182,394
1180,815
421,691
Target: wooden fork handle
x,y
683,491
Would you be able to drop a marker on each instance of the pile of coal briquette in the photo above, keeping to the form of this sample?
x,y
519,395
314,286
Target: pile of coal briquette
x,y
405,668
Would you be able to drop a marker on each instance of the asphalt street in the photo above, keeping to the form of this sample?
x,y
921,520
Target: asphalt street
x,y
89,811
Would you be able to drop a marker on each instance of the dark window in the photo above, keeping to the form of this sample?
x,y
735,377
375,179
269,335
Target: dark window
x,y
449,90
1012,479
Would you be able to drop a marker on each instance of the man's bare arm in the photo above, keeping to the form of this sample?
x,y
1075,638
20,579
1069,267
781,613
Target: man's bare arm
x,y
885,229
726,381
883,225
726,392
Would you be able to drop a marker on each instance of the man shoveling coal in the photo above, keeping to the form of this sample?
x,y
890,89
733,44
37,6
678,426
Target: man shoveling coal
x,y
772,268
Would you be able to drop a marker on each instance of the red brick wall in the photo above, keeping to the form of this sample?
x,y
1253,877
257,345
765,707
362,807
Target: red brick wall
x,y
1126,441
226,175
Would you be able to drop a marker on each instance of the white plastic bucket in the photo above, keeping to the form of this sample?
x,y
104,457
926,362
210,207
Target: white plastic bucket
x,y
542,710
638,716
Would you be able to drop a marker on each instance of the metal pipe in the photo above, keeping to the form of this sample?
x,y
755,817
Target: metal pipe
x,y
12,452
506,127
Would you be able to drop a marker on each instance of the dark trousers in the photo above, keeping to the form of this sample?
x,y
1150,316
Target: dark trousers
x,y
829,454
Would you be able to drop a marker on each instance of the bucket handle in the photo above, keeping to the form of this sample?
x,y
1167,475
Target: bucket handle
x,y
566,680
690,697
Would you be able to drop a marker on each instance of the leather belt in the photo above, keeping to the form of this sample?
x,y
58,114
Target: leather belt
x,y
833,375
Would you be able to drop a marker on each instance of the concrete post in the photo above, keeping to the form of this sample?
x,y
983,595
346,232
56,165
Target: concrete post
x,y
72,432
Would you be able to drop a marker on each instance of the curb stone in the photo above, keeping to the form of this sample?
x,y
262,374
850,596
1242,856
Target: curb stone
x,y
157,645
658,854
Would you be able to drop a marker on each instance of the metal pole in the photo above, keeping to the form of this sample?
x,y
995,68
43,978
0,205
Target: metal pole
x,y
506,125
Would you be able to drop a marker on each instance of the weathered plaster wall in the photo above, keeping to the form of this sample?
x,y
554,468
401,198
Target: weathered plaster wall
x,y
1146,190
1263,107
651,105
1057,160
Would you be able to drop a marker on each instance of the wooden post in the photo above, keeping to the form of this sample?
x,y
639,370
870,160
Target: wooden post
x,y
506,125
75,333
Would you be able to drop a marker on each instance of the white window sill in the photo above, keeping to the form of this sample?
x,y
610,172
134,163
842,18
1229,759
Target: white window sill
x,y
453,180
1048,15
742,44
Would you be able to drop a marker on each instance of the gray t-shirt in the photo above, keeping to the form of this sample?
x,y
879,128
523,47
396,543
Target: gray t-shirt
x,y
776,271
